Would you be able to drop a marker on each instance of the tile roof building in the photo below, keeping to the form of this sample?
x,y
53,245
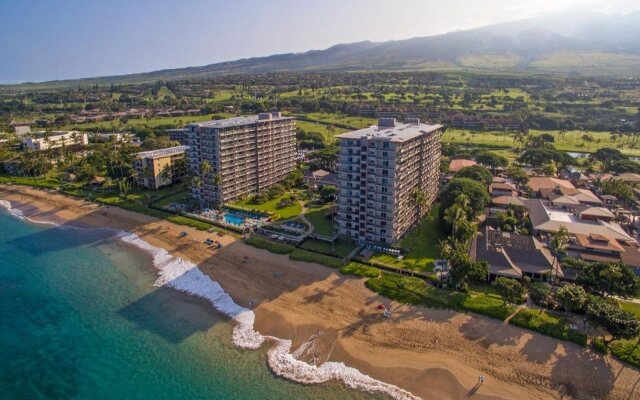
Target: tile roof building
x,y
512,255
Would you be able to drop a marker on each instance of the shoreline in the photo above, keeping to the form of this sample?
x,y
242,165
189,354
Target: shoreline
x,y
329,317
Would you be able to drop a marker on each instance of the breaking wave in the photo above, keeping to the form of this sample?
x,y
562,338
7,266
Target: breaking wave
x,y
185,276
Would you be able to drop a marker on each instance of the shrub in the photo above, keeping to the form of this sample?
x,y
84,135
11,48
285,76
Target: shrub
x,y
491,306
404,289
357,269
273,247
627,351
301,255
599,345
547,324
540,293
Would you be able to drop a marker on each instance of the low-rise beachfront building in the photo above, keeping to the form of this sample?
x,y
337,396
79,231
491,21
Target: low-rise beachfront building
x,y
56,139
158,168
513,255
241,156
381,168
592,233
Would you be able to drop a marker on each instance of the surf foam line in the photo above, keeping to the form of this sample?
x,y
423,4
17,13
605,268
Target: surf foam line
x,y
19,214
186,277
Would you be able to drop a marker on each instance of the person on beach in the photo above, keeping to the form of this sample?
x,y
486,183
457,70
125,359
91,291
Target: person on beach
x,y
481,379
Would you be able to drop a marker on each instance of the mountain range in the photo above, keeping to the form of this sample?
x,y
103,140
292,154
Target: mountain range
x,y
562,43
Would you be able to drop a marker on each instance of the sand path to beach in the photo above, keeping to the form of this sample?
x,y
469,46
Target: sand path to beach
x,y
434,354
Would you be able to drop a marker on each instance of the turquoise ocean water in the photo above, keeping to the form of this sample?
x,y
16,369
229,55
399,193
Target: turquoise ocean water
x,y
81,319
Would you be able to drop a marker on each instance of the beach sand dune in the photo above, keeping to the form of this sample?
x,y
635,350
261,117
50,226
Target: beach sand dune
x,y
434,354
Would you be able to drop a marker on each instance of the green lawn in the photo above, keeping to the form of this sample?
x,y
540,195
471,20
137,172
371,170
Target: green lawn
x,y
570,141
271,206
629,306
422,243
174,198
321,129
318,217
149,122
341,119
46,182
340,248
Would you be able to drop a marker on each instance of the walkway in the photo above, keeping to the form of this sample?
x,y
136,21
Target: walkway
x,y
304,218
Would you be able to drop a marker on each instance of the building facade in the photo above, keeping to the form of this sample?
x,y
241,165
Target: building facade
x,y
381,171
240,156
180,135
56,139
159,168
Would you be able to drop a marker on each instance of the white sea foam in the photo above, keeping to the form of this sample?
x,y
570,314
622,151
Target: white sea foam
x,y
18,213
185,276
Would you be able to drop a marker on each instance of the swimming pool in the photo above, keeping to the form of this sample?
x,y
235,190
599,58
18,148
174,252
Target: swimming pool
x,y
233,219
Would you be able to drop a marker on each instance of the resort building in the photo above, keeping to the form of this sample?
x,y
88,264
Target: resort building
x,y
381,168
180,135
55,139
241,156
159,168
513,256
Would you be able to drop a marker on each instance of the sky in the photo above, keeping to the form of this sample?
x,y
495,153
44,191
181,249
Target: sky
x,y
64,39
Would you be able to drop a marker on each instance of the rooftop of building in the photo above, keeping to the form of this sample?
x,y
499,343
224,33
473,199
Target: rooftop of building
x,y
169,151
388,129
543,182
511,254
244,120
458,163
549,219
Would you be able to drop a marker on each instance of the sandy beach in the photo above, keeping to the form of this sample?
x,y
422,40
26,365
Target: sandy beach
x,y
433,354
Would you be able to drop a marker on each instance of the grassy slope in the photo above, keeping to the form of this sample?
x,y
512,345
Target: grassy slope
x,y
318,217
287,212
423,245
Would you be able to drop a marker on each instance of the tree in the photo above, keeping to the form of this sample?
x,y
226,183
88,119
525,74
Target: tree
x,y
476,173
511,290
124,187
328,193
458,219
587,139
605,313
476,192
608,279
540,293
607,156
538,157
549,169
419,202
558,245
624,166
617,187
492,160
572,297
518,176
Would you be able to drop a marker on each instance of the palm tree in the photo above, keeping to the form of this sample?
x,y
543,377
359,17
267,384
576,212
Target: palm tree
x,y
419,202
557,245
166,174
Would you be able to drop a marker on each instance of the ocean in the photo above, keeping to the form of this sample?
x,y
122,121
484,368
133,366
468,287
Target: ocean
x,y
80,318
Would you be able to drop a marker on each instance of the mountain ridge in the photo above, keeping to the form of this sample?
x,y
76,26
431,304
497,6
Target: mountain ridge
x,y
561,43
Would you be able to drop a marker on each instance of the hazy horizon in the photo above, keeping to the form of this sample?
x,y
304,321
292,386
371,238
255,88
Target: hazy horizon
x,y
72,39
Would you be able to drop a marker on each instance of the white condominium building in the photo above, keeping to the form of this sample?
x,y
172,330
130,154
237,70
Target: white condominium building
x,y
55,139
381,168
241,156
